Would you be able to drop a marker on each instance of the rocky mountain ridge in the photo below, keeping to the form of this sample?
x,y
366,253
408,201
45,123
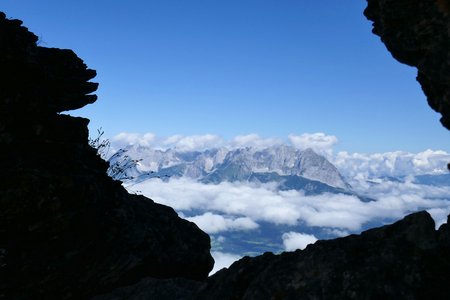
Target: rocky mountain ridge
x,y
276,163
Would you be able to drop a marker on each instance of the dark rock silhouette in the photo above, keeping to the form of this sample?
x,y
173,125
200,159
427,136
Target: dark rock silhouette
x,y
67,230
158,289
417,33
406,260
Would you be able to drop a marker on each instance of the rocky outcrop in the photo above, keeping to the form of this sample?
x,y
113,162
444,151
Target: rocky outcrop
x,y
67,230
406,260
417,33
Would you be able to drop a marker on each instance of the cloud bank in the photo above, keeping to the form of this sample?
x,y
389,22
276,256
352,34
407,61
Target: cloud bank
x,y
294,240
124,139
213,223
244,206
222,260
319,142
229,207
192,143
398,163
178,142
253,140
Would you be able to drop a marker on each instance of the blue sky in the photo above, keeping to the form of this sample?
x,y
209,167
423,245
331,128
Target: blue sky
x,y
237,67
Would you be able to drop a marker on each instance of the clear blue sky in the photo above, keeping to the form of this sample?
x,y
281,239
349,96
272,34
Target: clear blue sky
x,y
232,67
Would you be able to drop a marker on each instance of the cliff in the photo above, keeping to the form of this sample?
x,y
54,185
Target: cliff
x,y
417,33
67,230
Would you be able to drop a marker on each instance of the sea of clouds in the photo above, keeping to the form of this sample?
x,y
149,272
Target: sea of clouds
x,y
239,206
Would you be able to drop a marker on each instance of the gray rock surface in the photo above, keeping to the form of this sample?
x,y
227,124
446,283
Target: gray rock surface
x,y
219,165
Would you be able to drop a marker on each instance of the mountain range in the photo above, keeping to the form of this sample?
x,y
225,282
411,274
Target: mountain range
x,y
284,165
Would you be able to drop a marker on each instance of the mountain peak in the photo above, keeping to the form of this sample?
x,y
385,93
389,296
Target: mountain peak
x,y
240,164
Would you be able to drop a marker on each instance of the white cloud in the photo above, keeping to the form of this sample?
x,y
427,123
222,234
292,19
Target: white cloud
x,y
439,215
399,163
237,199
337,211
319,142
192,143
294,240
244,205
223,260
125,139
253,140
180,142
213,223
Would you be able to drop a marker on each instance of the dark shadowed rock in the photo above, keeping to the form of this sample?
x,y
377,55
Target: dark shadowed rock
x,y
404,260
38,80
417,33
151,288
67,230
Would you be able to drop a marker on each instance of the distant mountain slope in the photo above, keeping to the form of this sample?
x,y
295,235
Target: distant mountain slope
x,y
290,167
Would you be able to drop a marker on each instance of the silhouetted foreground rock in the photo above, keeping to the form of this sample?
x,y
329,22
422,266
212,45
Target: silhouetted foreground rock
x,y
157,289
67,230
406,260
417,33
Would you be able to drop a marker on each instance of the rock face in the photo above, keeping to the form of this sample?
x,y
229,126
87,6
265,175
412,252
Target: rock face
x,y
223,164
406,260
417,33
67,230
